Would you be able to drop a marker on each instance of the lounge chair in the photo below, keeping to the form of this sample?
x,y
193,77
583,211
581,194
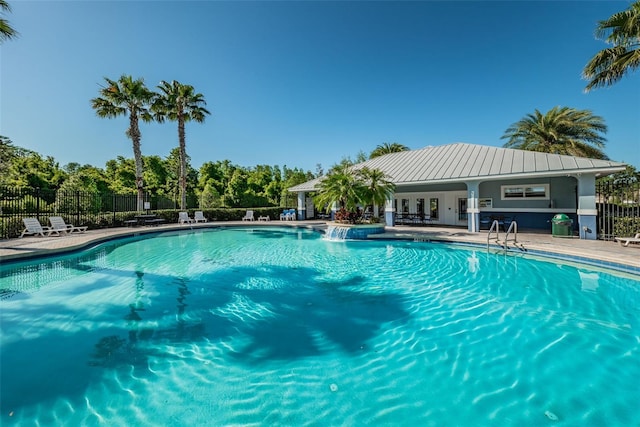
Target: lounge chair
x,y
248,216
58,224
183,218
34,228
199,217
624,241
288,215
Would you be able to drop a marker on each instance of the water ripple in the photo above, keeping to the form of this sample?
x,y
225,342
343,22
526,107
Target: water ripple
x,y
247,327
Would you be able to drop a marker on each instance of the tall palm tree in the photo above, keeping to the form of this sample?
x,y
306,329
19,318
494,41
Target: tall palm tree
x,y
6,31
127,97
178,102
377,187
562,130
387,148
622,32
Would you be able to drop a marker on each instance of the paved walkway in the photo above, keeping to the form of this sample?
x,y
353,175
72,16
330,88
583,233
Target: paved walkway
x,y
605,253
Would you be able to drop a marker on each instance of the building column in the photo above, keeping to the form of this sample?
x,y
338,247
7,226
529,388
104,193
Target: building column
x,y
302,206
587,211
473,212
389,211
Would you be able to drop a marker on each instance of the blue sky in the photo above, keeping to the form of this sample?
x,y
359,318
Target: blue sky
x,y
299,83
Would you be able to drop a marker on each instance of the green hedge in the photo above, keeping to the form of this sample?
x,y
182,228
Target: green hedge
x,y
628,226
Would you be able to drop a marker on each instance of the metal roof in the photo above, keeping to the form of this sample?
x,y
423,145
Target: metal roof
x,y
465,162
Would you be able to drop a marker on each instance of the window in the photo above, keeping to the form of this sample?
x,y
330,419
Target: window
x,y
433,208
420,206
529,191
536,191
405,206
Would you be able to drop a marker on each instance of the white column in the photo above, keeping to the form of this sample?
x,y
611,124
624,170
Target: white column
x,y
302,206
587,211
473,212
389,211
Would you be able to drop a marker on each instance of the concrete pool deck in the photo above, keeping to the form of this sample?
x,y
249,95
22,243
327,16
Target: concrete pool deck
x,y
603,253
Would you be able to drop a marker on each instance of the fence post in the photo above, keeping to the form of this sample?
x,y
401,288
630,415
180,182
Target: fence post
x,y
38,203
77,207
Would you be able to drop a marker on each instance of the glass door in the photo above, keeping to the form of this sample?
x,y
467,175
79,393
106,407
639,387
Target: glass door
x,y
462,209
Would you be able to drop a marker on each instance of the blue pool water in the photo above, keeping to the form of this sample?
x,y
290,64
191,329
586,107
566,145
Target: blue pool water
x,y
276,326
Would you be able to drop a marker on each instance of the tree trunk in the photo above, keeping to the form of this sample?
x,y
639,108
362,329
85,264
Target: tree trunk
x,y
183,163
134,134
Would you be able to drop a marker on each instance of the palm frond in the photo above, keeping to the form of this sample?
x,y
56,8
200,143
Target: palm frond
x,y
622,31
562,130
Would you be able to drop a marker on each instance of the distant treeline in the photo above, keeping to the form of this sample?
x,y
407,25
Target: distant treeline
x,y
215,184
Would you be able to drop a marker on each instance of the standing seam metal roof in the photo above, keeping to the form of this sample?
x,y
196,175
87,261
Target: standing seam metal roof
x,y
462,161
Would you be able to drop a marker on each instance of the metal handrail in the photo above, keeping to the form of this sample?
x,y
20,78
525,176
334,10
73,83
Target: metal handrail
x,y
513,229
495,225
514,226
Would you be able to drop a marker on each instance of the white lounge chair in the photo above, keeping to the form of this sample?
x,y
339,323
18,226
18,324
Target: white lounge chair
x,y
624,241
34,228
288,215
248,216
183,218
199,217
58,224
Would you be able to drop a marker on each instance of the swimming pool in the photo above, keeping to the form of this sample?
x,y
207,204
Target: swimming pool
x,y
275,326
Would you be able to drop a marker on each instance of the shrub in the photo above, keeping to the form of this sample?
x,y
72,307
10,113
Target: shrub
x,y
627,226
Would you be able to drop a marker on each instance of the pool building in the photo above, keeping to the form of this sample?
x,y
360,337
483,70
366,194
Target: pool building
x,y
471,185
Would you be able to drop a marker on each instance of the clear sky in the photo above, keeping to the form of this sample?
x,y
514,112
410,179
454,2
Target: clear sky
x,y
299,83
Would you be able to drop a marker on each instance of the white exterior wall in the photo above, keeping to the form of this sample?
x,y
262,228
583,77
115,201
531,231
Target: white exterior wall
x,y
448,212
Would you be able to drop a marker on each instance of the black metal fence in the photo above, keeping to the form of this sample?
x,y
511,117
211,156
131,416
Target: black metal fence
x,y
618,207
99,210
96,210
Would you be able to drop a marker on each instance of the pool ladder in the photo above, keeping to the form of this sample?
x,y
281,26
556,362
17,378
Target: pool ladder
x,y
504,244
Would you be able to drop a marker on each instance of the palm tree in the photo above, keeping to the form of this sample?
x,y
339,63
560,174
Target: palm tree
x,y
622,31
562,130
6,31
122,97
342,186
178,102
387,148
349,188
377,187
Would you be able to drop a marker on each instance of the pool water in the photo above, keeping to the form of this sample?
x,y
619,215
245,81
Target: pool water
x,y
276,326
